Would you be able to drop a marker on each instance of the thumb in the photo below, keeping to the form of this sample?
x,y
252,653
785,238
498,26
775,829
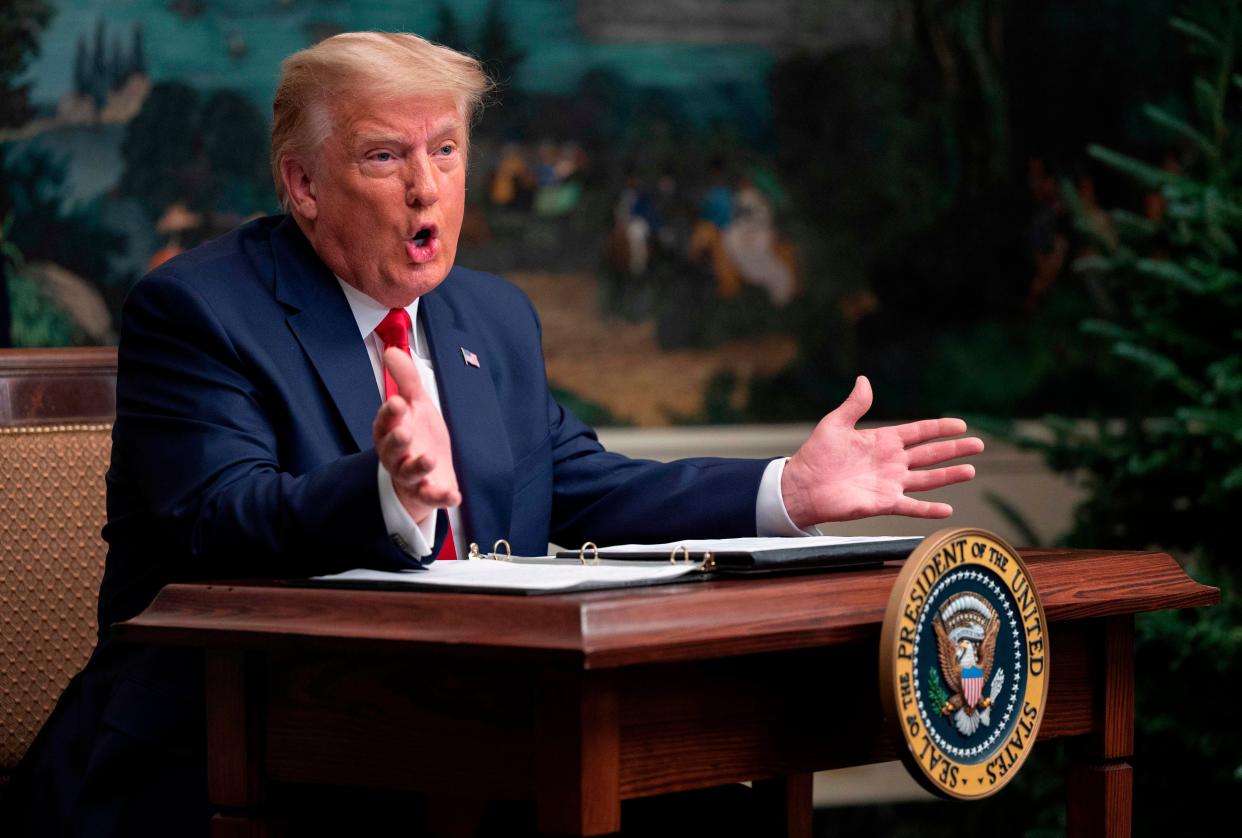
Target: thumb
x,y
856,404
401,367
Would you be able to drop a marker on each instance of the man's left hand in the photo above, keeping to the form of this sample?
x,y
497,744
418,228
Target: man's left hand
x,y
842,472
413,442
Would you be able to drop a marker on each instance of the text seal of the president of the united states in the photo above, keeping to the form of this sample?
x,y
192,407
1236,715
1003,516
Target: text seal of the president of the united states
x,y
964,663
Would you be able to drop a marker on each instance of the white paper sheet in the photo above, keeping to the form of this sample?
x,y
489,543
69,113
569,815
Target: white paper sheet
x,y
499,575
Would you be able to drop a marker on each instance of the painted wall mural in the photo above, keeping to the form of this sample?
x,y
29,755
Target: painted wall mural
x,y
723,209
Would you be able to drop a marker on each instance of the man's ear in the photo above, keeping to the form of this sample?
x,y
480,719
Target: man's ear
x,y
300,187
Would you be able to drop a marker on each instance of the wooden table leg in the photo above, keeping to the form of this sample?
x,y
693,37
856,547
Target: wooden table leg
x,y
1100,791
577,765
785,804
1099,800
235,747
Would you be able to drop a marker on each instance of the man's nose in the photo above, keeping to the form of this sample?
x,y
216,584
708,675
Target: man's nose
x,y
421,188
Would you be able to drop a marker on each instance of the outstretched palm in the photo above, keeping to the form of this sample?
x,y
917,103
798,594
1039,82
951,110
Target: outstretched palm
x,y
413,442
843,472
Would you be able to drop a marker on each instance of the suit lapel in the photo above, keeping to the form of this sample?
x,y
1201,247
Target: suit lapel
x,y
323,324
321,320
472,411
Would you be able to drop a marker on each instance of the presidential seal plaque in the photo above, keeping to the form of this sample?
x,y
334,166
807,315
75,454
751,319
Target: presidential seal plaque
x,y
964,663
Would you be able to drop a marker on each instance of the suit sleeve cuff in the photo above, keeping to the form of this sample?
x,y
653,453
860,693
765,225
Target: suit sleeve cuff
x,y
412,537
771,516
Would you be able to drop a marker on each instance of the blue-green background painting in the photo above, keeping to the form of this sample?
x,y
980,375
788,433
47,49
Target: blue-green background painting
x,y
752,200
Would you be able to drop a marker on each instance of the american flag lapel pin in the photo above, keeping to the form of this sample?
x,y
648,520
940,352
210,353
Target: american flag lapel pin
x,y
470,358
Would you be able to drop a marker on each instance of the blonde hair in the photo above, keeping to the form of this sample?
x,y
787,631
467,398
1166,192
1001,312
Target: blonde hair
x,y
389,64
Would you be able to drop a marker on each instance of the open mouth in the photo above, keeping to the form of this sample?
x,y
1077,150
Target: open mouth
x,y
424,235
422,246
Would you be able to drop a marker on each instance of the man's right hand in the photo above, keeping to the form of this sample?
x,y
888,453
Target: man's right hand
x,y
413,442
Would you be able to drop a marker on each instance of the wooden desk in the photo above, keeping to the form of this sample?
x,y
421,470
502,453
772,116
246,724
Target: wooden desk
x,y
580,701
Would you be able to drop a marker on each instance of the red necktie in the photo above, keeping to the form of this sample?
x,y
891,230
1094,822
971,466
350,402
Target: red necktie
x,y
394,330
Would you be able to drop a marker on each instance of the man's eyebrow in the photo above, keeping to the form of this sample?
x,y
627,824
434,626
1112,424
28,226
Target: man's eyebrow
x,y
448,126
379,139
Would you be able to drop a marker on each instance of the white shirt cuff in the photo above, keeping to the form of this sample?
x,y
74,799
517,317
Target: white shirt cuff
x,y
771,516
412,537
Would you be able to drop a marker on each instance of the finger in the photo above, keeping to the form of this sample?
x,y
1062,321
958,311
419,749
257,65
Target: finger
x,y
390,414
912,433
401,367
413,469
937,452
394,448
431,493
447,498
912,508
856,404
925,481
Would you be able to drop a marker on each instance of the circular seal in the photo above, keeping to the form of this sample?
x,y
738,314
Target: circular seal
x,y
964,663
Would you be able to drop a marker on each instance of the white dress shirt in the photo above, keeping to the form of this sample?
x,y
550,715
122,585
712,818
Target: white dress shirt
x,y
771,517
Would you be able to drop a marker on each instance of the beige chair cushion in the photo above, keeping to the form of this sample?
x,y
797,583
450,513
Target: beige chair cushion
x,y
51,560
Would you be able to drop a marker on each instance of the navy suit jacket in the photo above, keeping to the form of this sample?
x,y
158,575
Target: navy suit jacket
x,y
242,447
242,444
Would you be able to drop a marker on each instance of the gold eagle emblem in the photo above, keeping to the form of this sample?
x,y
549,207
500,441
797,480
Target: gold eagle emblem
x,y
966,631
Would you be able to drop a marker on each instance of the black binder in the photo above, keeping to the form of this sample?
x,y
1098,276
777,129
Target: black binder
x,y
593,568
791,556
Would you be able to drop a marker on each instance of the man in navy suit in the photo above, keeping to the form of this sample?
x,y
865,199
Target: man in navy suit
x,y
325,390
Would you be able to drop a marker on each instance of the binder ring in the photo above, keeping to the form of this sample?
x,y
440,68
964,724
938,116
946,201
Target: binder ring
x,y
709,563
473,555
508,552
582,553
685,552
